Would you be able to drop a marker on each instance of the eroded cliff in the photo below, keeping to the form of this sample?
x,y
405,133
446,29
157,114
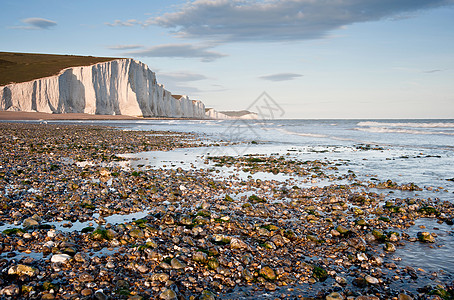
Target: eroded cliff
x,y
117,87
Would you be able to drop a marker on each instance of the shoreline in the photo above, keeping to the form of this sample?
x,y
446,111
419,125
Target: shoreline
x,y
203,236
36,116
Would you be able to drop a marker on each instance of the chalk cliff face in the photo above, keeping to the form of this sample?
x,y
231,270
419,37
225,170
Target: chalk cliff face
x,y
211,113
117,87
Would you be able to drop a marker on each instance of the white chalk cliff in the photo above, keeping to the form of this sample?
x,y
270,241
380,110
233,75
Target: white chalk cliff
x,y
117,87
211,113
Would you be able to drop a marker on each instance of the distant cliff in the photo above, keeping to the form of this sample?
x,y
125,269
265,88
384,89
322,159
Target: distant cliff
x,y
211,113
116,87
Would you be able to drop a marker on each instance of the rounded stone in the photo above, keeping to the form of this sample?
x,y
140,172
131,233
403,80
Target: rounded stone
x,y
207,295
334,296
60,258
371,279
168,294
267,273
426,237
389,247
176,264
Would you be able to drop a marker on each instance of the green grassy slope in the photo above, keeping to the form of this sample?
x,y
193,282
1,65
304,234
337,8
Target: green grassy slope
x,y
22,67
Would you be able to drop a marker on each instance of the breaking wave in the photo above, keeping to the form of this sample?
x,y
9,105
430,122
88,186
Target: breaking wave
x,y
407,124
407,131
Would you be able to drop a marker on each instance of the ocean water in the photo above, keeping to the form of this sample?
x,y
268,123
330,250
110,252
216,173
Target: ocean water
x,y
418,151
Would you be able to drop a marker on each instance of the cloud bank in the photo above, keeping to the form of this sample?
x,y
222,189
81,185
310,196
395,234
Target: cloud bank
x,y
36,23
280,76
278,20
178,51
125,47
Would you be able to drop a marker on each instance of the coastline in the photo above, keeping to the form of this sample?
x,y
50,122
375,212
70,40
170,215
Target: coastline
x,y
70,199
36,116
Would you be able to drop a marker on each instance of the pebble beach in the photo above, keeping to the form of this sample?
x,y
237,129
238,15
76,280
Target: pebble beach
x,y
80,221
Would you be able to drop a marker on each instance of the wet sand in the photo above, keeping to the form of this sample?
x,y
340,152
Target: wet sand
x,y
203,237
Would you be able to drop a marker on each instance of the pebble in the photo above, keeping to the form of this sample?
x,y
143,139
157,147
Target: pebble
x,y
371,279
426,237
334,296
168,294
60,258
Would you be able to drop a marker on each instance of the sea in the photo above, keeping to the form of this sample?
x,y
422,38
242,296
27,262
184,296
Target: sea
x,y
418,151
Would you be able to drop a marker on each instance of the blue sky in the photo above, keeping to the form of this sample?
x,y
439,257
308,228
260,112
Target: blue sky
x,y
316,59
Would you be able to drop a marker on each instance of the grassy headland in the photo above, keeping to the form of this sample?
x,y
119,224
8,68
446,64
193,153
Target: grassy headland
x,y
22,67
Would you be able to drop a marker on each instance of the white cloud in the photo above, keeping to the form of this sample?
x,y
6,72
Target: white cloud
x,y
128,23
281,76
125,47
182,76
178,51
275,20
36,23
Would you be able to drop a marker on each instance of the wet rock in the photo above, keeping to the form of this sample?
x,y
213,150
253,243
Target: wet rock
x,y
30,222
137,233
360,282
270,245
404,297
236,243
379,235
60,258
342,230
168,294
269,286
246,258
279,240
426,237
213,263
334,296
21,270
376,260
393,237
111,234
176,264
221,239
86,292
371,280
263,231
361,256
85,277
357,243
10,290
48,296
247,275
99,295
207,295
389,247
341,280
267,273
319,273
81,257
161,277
200,256
185,220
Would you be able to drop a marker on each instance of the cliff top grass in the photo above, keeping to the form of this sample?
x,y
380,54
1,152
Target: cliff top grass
x,y
22,67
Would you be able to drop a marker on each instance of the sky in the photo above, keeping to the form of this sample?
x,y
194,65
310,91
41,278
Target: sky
x,y
317,59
